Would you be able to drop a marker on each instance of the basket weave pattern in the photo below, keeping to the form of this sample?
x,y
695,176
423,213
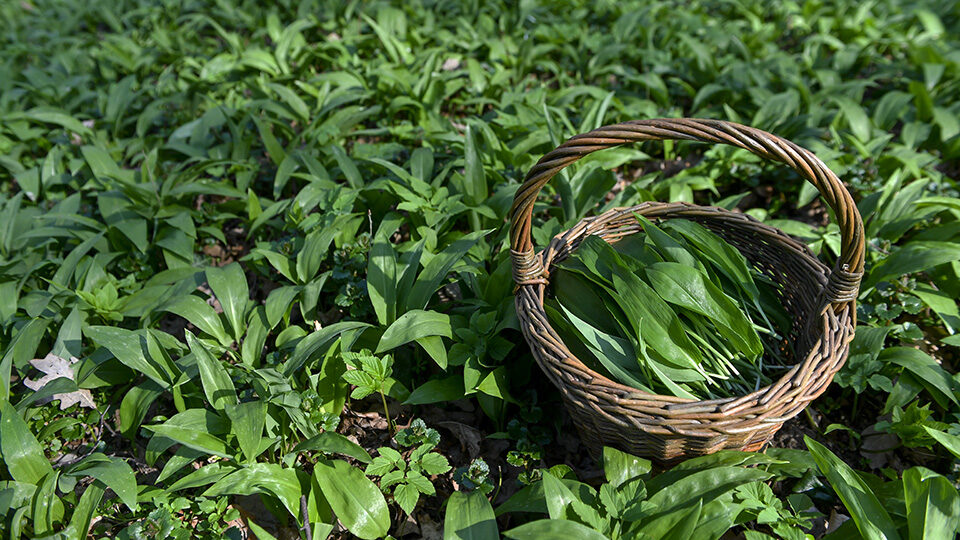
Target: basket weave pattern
x,y
820,299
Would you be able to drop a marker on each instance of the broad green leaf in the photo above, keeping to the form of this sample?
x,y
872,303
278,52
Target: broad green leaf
x,y
257,329
83,513
615,354
262,478
355,500
101,164
197,429
22,454
316,248
348,167
279,262
687,491
382,280
686,287
197,440
650,318
246,423
135,404
70,336
436,271
868,341
413,325
19,351
910,258
677,252
531,498
942,303
217,384
112,472
618,467
200,314
585,299
475,182
934,378
331,387
259,531
129,348
278,301
951,203
180,459
46,505
334,443
950,442
406,497
856,117
933,505
70,262
274,148
598,261
51,115
437,391
871,517
553,529
229,285
204,476
469,516
315,344
421,164
890,108
495,384
686,523
319,511
435,348
410,180
407,268
564,503
724,257
661,328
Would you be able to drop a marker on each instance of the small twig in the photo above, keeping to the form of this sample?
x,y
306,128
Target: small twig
x,y
306,517
93,447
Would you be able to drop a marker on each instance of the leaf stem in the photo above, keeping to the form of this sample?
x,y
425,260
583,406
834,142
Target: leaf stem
x,y
386,411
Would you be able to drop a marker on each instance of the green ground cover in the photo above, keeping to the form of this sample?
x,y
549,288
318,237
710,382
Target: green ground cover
x,y
254,276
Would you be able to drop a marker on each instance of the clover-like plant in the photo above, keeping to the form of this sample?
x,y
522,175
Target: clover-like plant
x,y
408,472
370,374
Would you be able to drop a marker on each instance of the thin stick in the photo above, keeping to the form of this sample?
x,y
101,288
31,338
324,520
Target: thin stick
x,y
306,517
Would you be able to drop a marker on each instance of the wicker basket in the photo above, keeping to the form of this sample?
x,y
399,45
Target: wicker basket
x,y
822,301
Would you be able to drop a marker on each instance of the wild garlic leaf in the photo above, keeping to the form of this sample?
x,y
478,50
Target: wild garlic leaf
x,y
721,254
657,324
686,287
671,249
616,354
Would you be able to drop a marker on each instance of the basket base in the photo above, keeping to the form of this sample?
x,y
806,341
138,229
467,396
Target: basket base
x,y
664,451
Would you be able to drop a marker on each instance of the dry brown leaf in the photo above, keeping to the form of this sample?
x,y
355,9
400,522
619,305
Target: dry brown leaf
x,y
468,436
54,367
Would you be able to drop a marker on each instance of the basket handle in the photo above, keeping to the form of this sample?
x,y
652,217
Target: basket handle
x,y
844,280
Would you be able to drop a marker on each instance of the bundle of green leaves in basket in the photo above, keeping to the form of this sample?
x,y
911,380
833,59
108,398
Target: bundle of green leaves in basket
x,y
674,310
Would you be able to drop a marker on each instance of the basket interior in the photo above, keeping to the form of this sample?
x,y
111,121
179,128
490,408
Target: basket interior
x,y
799,275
